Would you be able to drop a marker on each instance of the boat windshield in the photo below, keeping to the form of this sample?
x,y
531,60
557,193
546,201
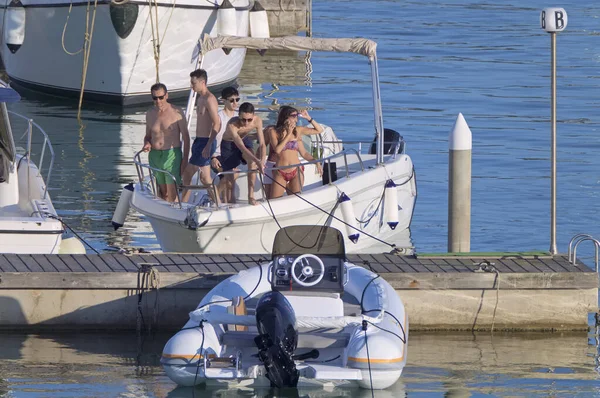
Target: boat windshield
x,y
313,239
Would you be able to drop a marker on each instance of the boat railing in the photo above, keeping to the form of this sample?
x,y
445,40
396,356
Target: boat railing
x,y
319,146
46,145
140,166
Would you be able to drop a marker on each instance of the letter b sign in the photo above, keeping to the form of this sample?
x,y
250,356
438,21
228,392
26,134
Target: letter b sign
x,y
553,19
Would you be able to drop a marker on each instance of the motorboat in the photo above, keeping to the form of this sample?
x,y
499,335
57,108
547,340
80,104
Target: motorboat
x,y
306,318
118,49
28,221
370,196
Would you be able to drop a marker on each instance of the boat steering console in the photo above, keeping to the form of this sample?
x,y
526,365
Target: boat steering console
x,y
308,272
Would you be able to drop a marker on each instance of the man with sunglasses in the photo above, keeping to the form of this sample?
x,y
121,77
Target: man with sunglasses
x,y
237,146
231,100
166,127
207,125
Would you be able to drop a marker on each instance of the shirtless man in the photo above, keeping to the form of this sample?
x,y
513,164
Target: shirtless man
x,y
236,144
165,128
207,126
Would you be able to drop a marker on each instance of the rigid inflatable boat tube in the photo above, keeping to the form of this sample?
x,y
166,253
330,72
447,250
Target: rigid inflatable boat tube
x,y
349,218
14,31
390,204
122,206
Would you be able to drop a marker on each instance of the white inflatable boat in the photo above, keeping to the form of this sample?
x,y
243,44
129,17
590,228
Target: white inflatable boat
x,y
308,318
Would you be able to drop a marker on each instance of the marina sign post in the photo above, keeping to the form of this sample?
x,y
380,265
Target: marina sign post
x,y
553,20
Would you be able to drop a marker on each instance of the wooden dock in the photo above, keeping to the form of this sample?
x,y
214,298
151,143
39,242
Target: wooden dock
x,y
514,291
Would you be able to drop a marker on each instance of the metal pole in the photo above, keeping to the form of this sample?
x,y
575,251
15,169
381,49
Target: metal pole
x,y
553,249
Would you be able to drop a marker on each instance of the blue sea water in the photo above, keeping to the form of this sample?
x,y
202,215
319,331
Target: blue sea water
x,y
489,61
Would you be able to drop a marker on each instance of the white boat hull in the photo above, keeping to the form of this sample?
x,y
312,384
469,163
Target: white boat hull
x,y
120,70
26,227
251,229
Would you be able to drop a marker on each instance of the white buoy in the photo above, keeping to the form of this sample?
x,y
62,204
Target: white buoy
x,y
122,207
349,218
71,245
390,204
259,23
14,30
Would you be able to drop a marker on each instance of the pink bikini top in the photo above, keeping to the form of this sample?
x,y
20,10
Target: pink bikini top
x,y
291,146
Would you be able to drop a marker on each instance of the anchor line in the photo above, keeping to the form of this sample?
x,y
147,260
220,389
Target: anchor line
x,y
68,227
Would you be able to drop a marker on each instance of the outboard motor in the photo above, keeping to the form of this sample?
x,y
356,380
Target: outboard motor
x,y
277,339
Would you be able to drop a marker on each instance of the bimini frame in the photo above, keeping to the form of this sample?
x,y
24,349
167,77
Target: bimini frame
x,y
360,46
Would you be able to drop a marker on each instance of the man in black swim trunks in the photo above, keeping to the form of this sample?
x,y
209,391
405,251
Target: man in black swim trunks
x,y
237,146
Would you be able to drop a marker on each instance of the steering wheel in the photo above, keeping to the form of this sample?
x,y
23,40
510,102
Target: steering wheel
x,y
307,271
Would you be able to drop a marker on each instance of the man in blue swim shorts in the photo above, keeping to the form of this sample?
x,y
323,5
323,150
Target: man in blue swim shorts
x,y
207,125
166,127
237,146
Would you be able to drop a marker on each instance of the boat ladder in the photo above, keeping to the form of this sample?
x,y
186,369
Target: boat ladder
x,y
575,241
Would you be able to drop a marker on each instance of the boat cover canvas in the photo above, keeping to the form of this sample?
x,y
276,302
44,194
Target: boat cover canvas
x,y
360,46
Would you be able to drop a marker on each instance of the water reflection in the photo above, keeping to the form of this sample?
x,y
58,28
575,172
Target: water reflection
x,y
450,365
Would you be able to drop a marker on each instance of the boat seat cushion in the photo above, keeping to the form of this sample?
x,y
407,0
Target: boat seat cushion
x,y
313,339
315,304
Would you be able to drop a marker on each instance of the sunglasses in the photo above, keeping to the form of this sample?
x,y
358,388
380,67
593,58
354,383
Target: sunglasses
x,y
293,115
158,97
246,120
232,100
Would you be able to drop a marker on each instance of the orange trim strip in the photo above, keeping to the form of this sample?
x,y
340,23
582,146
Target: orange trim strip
x,y
365,360
182,356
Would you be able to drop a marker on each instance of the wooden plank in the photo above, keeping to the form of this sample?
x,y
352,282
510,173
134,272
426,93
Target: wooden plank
x,y
512,264
56,262
126,262
74,265
553,265
196,265
110,261
541,267
30,262
5,265
166,265
525,265
44,263
87,264
181,263
16,263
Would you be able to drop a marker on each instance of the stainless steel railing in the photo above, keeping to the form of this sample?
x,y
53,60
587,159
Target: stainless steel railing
x,y
575,241
140,166
29,131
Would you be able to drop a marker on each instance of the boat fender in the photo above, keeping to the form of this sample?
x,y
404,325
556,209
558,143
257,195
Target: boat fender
x,y
122,206
71,245
259,23
349,218
390,204
226,21
14,31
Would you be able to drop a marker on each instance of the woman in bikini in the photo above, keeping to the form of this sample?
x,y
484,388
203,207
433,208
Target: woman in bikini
x,y
285,140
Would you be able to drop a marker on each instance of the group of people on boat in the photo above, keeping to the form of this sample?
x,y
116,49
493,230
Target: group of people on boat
x,y
223,142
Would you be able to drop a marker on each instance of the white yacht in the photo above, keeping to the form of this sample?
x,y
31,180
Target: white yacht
x,y
372,199
132,44
28,221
